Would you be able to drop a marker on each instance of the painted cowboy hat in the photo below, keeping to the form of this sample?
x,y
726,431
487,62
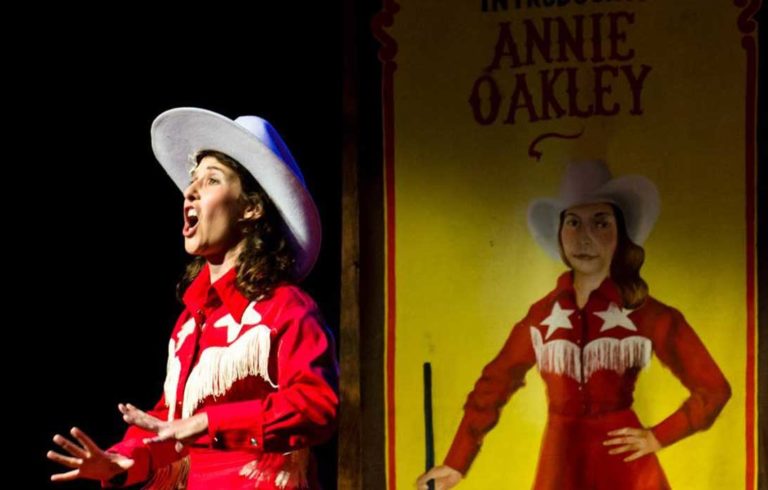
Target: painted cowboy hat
x,y
179,134
591,182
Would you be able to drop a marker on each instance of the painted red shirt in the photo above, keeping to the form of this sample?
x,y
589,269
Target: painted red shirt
x,y
266,374
590,359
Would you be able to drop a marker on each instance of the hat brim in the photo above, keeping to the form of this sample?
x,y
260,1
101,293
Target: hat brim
x,y
178,135
635,195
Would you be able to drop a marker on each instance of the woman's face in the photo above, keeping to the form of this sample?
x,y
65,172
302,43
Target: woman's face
x,y
212,208
589,238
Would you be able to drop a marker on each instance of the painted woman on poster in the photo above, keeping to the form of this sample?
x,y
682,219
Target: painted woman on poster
x,y
589,338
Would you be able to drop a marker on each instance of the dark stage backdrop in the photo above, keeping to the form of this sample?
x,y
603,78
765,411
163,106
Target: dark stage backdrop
x,y
98,246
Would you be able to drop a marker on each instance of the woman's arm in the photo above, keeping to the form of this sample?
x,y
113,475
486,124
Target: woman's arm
x,y
504,375
678,347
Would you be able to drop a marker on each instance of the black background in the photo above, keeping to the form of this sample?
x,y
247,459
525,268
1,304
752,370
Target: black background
x,y
96,236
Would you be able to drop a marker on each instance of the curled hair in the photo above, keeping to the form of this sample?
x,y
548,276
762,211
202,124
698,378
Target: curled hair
x,y
266,259
626,263
627,260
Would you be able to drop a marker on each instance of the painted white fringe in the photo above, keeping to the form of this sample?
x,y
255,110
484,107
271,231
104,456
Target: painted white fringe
x,y
557,356
173,371
171,477
616,355
220,367
293,472
564,357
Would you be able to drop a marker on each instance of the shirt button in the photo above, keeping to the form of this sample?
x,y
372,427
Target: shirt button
x,y
215,439
254,442
581,387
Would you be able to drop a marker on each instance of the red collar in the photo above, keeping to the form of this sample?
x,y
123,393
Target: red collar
x,y
607,290
201,292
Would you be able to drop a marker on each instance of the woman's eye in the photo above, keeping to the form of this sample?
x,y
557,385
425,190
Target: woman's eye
x,y
213,180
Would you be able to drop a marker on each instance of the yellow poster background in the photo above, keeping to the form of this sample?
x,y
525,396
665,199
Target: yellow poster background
x,y
467,268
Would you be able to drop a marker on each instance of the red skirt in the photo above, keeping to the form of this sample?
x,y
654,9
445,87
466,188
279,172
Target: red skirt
x,y
236,470
573,456
206,469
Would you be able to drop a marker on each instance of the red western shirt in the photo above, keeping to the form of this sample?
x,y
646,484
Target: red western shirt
x,y
264,371
589,359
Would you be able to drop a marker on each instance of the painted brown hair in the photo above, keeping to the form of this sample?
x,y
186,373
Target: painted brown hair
x,y
266,259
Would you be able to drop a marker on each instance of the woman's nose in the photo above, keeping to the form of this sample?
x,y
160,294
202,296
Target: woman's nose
x,y
190,193
585,236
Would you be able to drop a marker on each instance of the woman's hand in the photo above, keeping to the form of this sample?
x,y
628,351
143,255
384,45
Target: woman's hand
x,y
183,431
87,459
140,418
445,477
639,441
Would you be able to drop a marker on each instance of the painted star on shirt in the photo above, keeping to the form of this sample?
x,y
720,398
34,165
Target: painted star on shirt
x,y
616,317
557,319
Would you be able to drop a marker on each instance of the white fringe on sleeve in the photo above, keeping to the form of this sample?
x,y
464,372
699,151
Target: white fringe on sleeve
x,y
287,470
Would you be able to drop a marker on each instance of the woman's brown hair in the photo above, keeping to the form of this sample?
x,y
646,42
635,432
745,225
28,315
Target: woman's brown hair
x,y
625,265
266,259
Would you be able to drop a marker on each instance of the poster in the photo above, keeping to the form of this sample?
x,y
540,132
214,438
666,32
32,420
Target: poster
x,y
485,103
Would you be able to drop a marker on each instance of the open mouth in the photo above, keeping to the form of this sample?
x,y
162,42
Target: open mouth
x,y
190,222
585,256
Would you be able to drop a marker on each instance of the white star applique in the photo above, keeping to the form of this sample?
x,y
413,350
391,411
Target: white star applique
x,y
233,328
557,319
250,317
616,317
185,331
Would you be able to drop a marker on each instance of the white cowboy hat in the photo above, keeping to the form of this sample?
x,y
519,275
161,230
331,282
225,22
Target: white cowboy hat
x,y
591,182
178,135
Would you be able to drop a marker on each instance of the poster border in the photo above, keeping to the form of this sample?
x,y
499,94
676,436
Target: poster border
x,y
747,26
387,53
